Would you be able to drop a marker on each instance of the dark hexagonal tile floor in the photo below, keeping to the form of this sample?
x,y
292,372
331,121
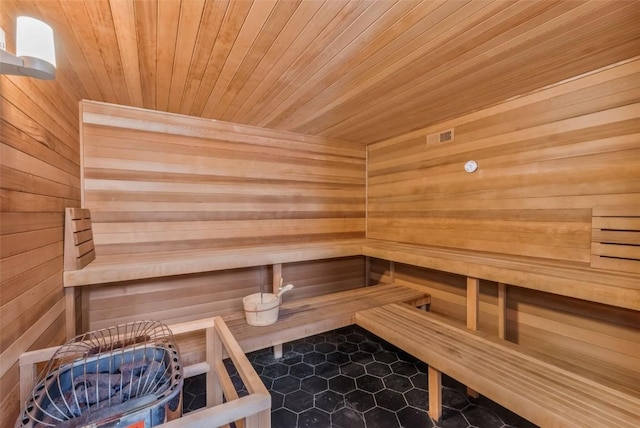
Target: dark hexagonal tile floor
x,y
350,378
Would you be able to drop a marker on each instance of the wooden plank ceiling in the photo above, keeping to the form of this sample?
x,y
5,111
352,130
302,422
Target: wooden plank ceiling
x,y
358,70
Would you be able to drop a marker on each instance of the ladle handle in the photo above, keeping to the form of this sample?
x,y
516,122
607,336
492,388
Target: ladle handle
x,y
284,289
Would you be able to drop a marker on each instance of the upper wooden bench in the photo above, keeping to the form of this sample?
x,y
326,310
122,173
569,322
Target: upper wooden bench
x,y
84,267
530,385
577,280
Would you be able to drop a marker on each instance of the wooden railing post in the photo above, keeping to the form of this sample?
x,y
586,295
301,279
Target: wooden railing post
x,y
473,312
502,310
213,355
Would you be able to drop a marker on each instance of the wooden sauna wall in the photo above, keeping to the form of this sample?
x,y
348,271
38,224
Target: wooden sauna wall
x,y
544,160
39,177
162,182
313,278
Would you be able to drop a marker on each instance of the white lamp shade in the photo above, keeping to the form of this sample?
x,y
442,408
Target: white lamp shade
x,y
35,39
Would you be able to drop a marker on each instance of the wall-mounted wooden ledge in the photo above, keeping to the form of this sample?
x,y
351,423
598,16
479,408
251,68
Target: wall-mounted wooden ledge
x,y
125,267
576,280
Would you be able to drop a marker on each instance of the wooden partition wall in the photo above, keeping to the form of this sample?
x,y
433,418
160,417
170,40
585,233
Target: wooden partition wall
x,y
545,159
162,182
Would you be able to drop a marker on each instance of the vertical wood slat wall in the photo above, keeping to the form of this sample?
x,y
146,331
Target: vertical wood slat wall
x,y
162,182
545,160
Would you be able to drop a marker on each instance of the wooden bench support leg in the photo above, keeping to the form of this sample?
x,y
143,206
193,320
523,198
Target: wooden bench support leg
x,y
70,311
502,310
277,278
435,393
367,271
277,351
473,291
275,284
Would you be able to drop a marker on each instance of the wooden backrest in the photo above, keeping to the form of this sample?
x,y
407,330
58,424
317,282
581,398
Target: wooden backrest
x,y
78,239
615,238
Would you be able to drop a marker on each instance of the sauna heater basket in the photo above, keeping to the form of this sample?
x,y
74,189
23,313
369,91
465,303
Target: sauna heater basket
x,y
123,376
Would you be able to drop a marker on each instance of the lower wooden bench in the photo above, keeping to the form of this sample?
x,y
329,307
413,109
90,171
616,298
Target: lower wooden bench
x,y
306,317
529,385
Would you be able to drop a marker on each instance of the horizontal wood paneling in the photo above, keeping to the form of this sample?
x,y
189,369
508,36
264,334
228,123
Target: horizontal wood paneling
x,y
319,277
160,182
356,70
157,182
174,299
545,159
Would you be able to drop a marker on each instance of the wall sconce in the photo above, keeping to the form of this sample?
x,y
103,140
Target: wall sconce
x,y
35,51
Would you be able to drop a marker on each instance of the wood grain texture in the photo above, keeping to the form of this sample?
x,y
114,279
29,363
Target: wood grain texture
x,y
190,297
524,381
600,338
159,182
308,317
556,277
39,177
355,70
350,70
79,249
545,159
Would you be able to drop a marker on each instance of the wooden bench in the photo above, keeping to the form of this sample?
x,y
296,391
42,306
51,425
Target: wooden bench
x,y
306,317
302,318
83,267
527,384
578,280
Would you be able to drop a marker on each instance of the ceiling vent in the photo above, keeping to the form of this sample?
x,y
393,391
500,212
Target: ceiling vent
x,y
445,136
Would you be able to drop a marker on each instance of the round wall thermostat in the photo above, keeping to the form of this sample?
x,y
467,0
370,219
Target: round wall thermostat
x,y
471,166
